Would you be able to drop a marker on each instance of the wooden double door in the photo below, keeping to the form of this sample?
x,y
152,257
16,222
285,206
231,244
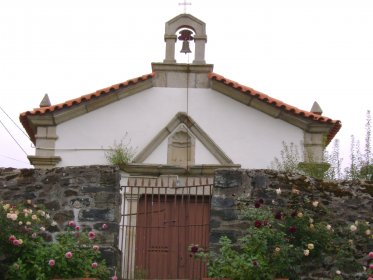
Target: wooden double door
x,y
166,227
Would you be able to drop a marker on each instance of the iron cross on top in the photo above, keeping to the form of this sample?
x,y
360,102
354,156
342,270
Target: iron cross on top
x,y
185,3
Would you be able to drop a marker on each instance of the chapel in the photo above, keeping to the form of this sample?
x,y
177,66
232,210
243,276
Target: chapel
x,y
180,121
180,118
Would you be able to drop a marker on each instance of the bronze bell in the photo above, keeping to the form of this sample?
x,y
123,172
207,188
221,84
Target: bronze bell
x,y
185,49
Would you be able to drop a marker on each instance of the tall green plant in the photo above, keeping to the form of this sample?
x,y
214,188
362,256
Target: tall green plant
x,y
366,171
291,161
361,166
289,158
335,161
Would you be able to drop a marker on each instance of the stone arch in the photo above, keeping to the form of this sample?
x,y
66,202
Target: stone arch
x,y
200,37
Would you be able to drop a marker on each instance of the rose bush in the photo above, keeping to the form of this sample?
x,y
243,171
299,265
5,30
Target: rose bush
x,y
27,254
289,238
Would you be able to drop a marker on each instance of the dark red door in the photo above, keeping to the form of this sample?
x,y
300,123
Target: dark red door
x,y
165,227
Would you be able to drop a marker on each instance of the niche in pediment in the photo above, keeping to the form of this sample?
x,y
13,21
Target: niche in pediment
x,y
181,147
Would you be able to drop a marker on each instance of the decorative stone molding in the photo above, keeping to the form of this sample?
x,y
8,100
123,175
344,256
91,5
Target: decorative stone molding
x,y
194,128
181,147
45,141
181,75
314,144
138,169
44,162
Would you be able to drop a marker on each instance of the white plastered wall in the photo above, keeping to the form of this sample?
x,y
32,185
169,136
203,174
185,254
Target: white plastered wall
x,y
246,135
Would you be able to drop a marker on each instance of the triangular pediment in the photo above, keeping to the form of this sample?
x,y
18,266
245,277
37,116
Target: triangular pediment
x,y
181,120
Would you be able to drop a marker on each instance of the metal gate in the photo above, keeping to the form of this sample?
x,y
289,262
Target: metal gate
x,y
161,218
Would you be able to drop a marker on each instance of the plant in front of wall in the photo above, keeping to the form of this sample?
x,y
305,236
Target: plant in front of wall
x,y
289,158
74,255
23,226
370,266
290,238
27,255
121,153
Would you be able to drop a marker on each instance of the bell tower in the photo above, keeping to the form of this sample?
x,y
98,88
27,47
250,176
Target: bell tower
x,y
170,73
182,24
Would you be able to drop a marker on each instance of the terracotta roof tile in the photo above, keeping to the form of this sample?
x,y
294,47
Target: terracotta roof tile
x,y
77,101
244,89
281,105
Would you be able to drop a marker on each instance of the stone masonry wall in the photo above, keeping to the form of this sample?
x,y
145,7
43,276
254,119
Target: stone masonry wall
x,y
89,195
347,201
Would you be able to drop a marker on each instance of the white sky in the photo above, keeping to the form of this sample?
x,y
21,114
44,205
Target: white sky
x,y
297,51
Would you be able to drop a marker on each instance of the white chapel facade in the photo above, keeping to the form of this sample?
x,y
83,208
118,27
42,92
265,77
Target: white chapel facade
x,y
180,118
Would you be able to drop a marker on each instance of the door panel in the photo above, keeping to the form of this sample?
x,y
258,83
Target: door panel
x,y
166,226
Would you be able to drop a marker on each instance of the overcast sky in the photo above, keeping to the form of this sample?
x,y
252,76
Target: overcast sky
x,y
298,51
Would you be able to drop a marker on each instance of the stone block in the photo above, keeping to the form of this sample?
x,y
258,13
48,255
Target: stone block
x,y
109,179
63,216
69,193
259,181
53,205
52,179
93,189
109,255
33,188
225,214
105,198
215,235
96,215
25,196
80,202
228,178
214,223
222,202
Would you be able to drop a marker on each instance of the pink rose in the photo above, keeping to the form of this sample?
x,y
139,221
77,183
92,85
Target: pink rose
x,y
91,235
105,226
77,228
116,278
52,263
16,242
370,255
12,238
94,265
371,266
68,255
72,224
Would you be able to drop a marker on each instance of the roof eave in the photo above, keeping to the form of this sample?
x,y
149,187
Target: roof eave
x,y
307,121
56,114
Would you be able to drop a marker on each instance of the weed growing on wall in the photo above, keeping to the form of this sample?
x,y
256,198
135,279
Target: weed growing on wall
x,y
121,153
